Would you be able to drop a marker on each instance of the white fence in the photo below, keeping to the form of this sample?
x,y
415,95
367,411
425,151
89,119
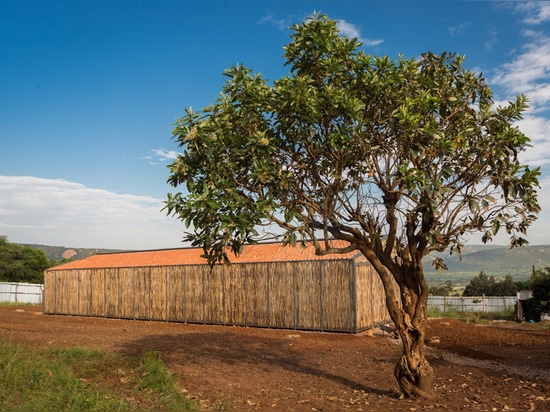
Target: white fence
x,y
472,303
21,292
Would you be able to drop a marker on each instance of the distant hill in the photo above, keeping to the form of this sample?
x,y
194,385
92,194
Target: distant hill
x,y
497,261
59,253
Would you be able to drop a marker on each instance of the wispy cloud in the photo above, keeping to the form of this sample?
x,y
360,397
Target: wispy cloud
x,y
165,155
529,73
536,128
350,30
536,12
281,24
492,39
463,28
460,28
346,29
58,212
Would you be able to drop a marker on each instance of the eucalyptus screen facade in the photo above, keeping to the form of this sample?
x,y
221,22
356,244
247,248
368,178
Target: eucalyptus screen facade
x,y
268,285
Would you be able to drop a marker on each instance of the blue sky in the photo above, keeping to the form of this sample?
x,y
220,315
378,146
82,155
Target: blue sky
x,y
90,90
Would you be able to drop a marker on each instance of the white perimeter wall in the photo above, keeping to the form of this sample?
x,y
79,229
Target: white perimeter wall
x,y
21,292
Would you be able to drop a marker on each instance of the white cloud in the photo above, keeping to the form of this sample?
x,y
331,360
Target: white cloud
x,y
538,233
492,39
164,155
58,212
281,24
459,29
536,128
529,73
346,29
349,30
537,12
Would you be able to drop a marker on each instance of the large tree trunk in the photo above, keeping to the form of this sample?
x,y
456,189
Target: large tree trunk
x,y
407,306
413,372
407,300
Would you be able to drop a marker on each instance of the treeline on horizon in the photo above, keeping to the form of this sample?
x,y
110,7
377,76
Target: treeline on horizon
x,y
23,263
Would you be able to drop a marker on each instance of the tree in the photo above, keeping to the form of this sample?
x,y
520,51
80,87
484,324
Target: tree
x,y
506,287
489,286
20,263
398,158
539,283
480,285
446,289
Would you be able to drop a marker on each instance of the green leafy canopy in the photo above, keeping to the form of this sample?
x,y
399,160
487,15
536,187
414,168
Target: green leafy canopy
x,y
396,157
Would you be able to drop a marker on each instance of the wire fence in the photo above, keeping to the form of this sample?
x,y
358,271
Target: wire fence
x,y
472,303
21,292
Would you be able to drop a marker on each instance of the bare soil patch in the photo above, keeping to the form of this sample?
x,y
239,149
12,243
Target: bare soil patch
x,y
488,367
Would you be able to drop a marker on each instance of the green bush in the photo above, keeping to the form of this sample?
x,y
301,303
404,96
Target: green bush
x,y
20,263
540,302
489,286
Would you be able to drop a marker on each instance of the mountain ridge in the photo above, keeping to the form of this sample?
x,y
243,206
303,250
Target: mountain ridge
x,y
59,253
493,260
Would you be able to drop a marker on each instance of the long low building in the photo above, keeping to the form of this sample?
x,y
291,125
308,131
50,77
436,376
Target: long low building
x,y
268,285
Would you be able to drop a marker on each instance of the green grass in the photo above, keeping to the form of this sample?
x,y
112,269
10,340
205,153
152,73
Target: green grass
x,y
78,379
469,316
154,378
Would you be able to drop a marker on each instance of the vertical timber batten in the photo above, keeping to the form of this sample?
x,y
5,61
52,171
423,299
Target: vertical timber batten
x,y
321,312
295,294
150,314
248,291
203,297
79,278
184,294
268,295
353,297
105,292
224,312
167,294
133,297
372,292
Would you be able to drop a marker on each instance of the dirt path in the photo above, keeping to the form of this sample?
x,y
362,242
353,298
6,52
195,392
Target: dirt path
x,y
502,367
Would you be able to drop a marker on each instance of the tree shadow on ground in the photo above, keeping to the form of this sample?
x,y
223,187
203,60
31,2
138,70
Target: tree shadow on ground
x,y
234,352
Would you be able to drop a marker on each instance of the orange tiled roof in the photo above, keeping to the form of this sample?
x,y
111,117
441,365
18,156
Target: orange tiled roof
x,y
264,252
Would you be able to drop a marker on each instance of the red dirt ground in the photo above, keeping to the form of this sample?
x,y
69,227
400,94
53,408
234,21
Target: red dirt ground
x,y
486,367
